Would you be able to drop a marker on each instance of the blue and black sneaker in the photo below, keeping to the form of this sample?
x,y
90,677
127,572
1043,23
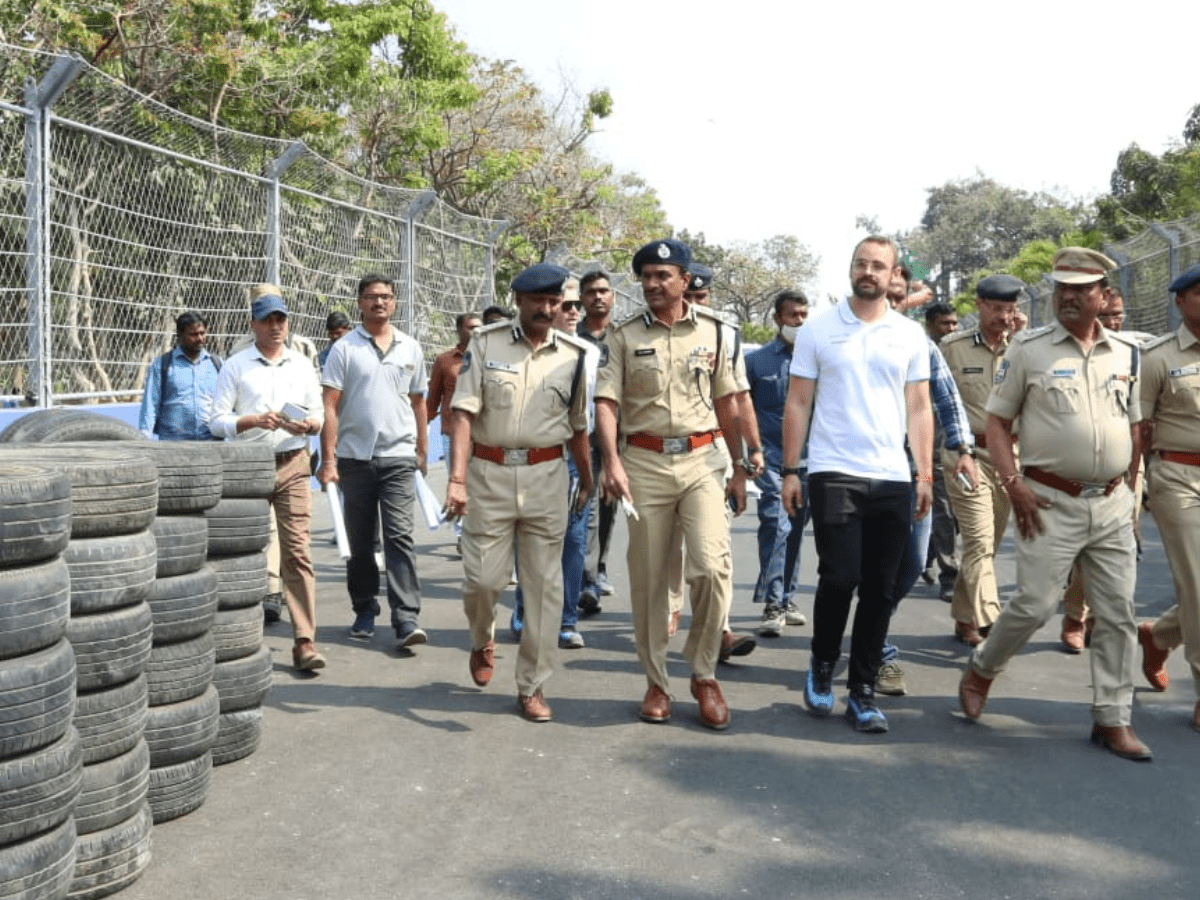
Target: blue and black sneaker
x,y
517,623
818,688
363,627
862,712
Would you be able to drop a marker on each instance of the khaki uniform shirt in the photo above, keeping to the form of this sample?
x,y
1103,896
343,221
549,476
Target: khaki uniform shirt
x,y
1170,391
1074,410
664,378
974,366
522,397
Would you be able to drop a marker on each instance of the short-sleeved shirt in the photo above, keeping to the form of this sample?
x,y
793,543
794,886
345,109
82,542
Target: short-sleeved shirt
x,y
523,397
860,414
665,377
250,384
974,366
375,413
1170,391
1074,409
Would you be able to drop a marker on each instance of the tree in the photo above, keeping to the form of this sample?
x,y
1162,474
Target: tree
x,y
1147,188
970,224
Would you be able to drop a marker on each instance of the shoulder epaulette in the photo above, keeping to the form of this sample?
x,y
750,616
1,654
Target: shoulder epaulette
x,y
1158,342
956,336
639,313
1029,334
495,326
577,342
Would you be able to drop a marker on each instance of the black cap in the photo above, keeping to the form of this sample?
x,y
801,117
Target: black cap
x,y
999,287
543,278
667,251
701,277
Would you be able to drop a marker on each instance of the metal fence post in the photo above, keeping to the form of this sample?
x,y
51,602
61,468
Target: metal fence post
x,y
275,208
408,260
39,97
493,236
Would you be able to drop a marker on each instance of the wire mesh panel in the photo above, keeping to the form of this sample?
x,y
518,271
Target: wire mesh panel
x,y
14,308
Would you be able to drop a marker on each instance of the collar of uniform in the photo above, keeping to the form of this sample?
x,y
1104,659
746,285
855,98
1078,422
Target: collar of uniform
x,y
518,334
1060,334
1186,338
689,315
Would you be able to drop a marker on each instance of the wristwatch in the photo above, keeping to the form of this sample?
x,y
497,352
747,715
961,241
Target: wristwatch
x,y
965,450
785,471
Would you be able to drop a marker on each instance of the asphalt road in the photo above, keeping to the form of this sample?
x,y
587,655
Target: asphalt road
x,y
393,776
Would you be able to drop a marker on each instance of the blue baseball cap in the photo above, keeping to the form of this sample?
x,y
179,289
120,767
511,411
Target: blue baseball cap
x,y
263,306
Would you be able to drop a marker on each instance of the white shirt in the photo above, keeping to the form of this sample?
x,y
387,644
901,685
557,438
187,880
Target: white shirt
x,y
250,384
860,416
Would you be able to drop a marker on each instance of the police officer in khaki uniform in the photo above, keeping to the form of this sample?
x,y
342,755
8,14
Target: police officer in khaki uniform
x,y
1071,386
974,357
668,373
521,395
1171,404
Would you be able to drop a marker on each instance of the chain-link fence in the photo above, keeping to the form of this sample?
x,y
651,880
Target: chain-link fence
x,y
627,290
118,213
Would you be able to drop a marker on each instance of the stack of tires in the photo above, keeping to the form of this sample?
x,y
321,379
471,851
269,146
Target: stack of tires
x,y
111,560
41,766
239,528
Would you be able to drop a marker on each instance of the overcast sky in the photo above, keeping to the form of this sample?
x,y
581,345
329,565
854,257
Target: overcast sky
x,y
752,118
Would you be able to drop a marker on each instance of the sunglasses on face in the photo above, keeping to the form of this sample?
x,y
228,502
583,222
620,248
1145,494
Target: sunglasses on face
x,y
570,305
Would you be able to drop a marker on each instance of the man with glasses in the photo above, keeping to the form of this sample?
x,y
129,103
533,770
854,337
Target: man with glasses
x,y
373,441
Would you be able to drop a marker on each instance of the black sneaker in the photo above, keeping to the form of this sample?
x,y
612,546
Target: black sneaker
x,y
862,712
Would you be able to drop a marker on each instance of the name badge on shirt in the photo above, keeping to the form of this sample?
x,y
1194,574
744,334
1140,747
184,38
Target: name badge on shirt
x,y
972,370
1063,373
502,367
1184,372
644,351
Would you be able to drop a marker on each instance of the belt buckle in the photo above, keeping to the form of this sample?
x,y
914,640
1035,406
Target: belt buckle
x,y
515,456
675,445
1092,490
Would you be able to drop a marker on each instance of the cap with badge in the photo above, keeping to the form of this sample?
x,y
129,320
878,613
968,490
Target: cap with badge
x,y
266,304
1079,265
1185,280
1000,287
667,252
543,278
701,277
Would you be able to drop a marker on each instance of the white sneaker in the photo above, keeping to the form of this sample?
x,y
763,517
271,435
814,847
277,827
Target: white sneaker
x,y
773,619
792,614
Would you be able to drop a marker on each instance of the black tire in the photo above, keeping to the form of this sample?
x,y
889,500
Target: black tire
x,y
241,580
110,860
239,735
40,868
183,605
114,487
244,683
111,647
237,527
35,604
178,789
189,474
110,572
249,469
182,544
68,423
38,791
113,790
37,699
111,721
177,732
178,672
35,513
237,632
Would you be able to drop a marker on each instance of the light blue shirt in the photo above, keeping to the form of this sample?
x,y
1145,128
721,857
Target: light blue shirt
x,y
178,410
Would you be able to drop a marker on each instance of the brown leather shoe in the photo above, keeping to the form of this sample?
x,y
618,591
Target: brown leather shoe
x,y
656,706
1153,659
1072,636
972,692
534,707
968,633
673,622
482,663
713,711
306,657
1121,740
736,645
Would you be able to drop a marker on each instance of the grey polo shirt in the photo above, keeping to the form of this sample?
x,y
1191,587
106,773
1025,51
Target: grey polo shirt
x,y
375,414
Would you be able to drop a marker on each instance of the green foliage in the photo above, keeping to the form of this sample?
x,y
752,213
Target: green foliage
x,y
753,333
1147,188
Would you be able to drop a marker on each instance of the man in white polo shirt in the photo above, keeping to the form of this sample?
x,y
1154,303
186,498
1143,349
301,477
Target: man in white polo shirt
x,y
373,440
859,376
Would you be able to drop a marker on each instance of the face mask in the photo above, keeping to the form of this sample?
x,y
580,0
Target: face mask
x,y
788,333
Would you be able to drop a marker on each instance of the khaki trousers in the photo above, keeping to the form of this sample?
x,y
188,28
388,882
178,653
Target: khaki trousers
x,y
1099,531
688,489
1175,501
291,506
525,507
982,520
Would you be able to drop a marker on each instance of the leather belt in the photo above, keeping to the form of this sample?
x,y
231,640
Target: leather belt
x,y
284,456
518,456
981,441
673,446
1073,488
1177,456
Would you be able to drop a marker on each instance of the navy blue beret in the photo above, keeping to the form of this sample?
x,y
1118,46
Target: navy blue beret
x,y
543,278
666,251
999,287
1185,280
701,277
